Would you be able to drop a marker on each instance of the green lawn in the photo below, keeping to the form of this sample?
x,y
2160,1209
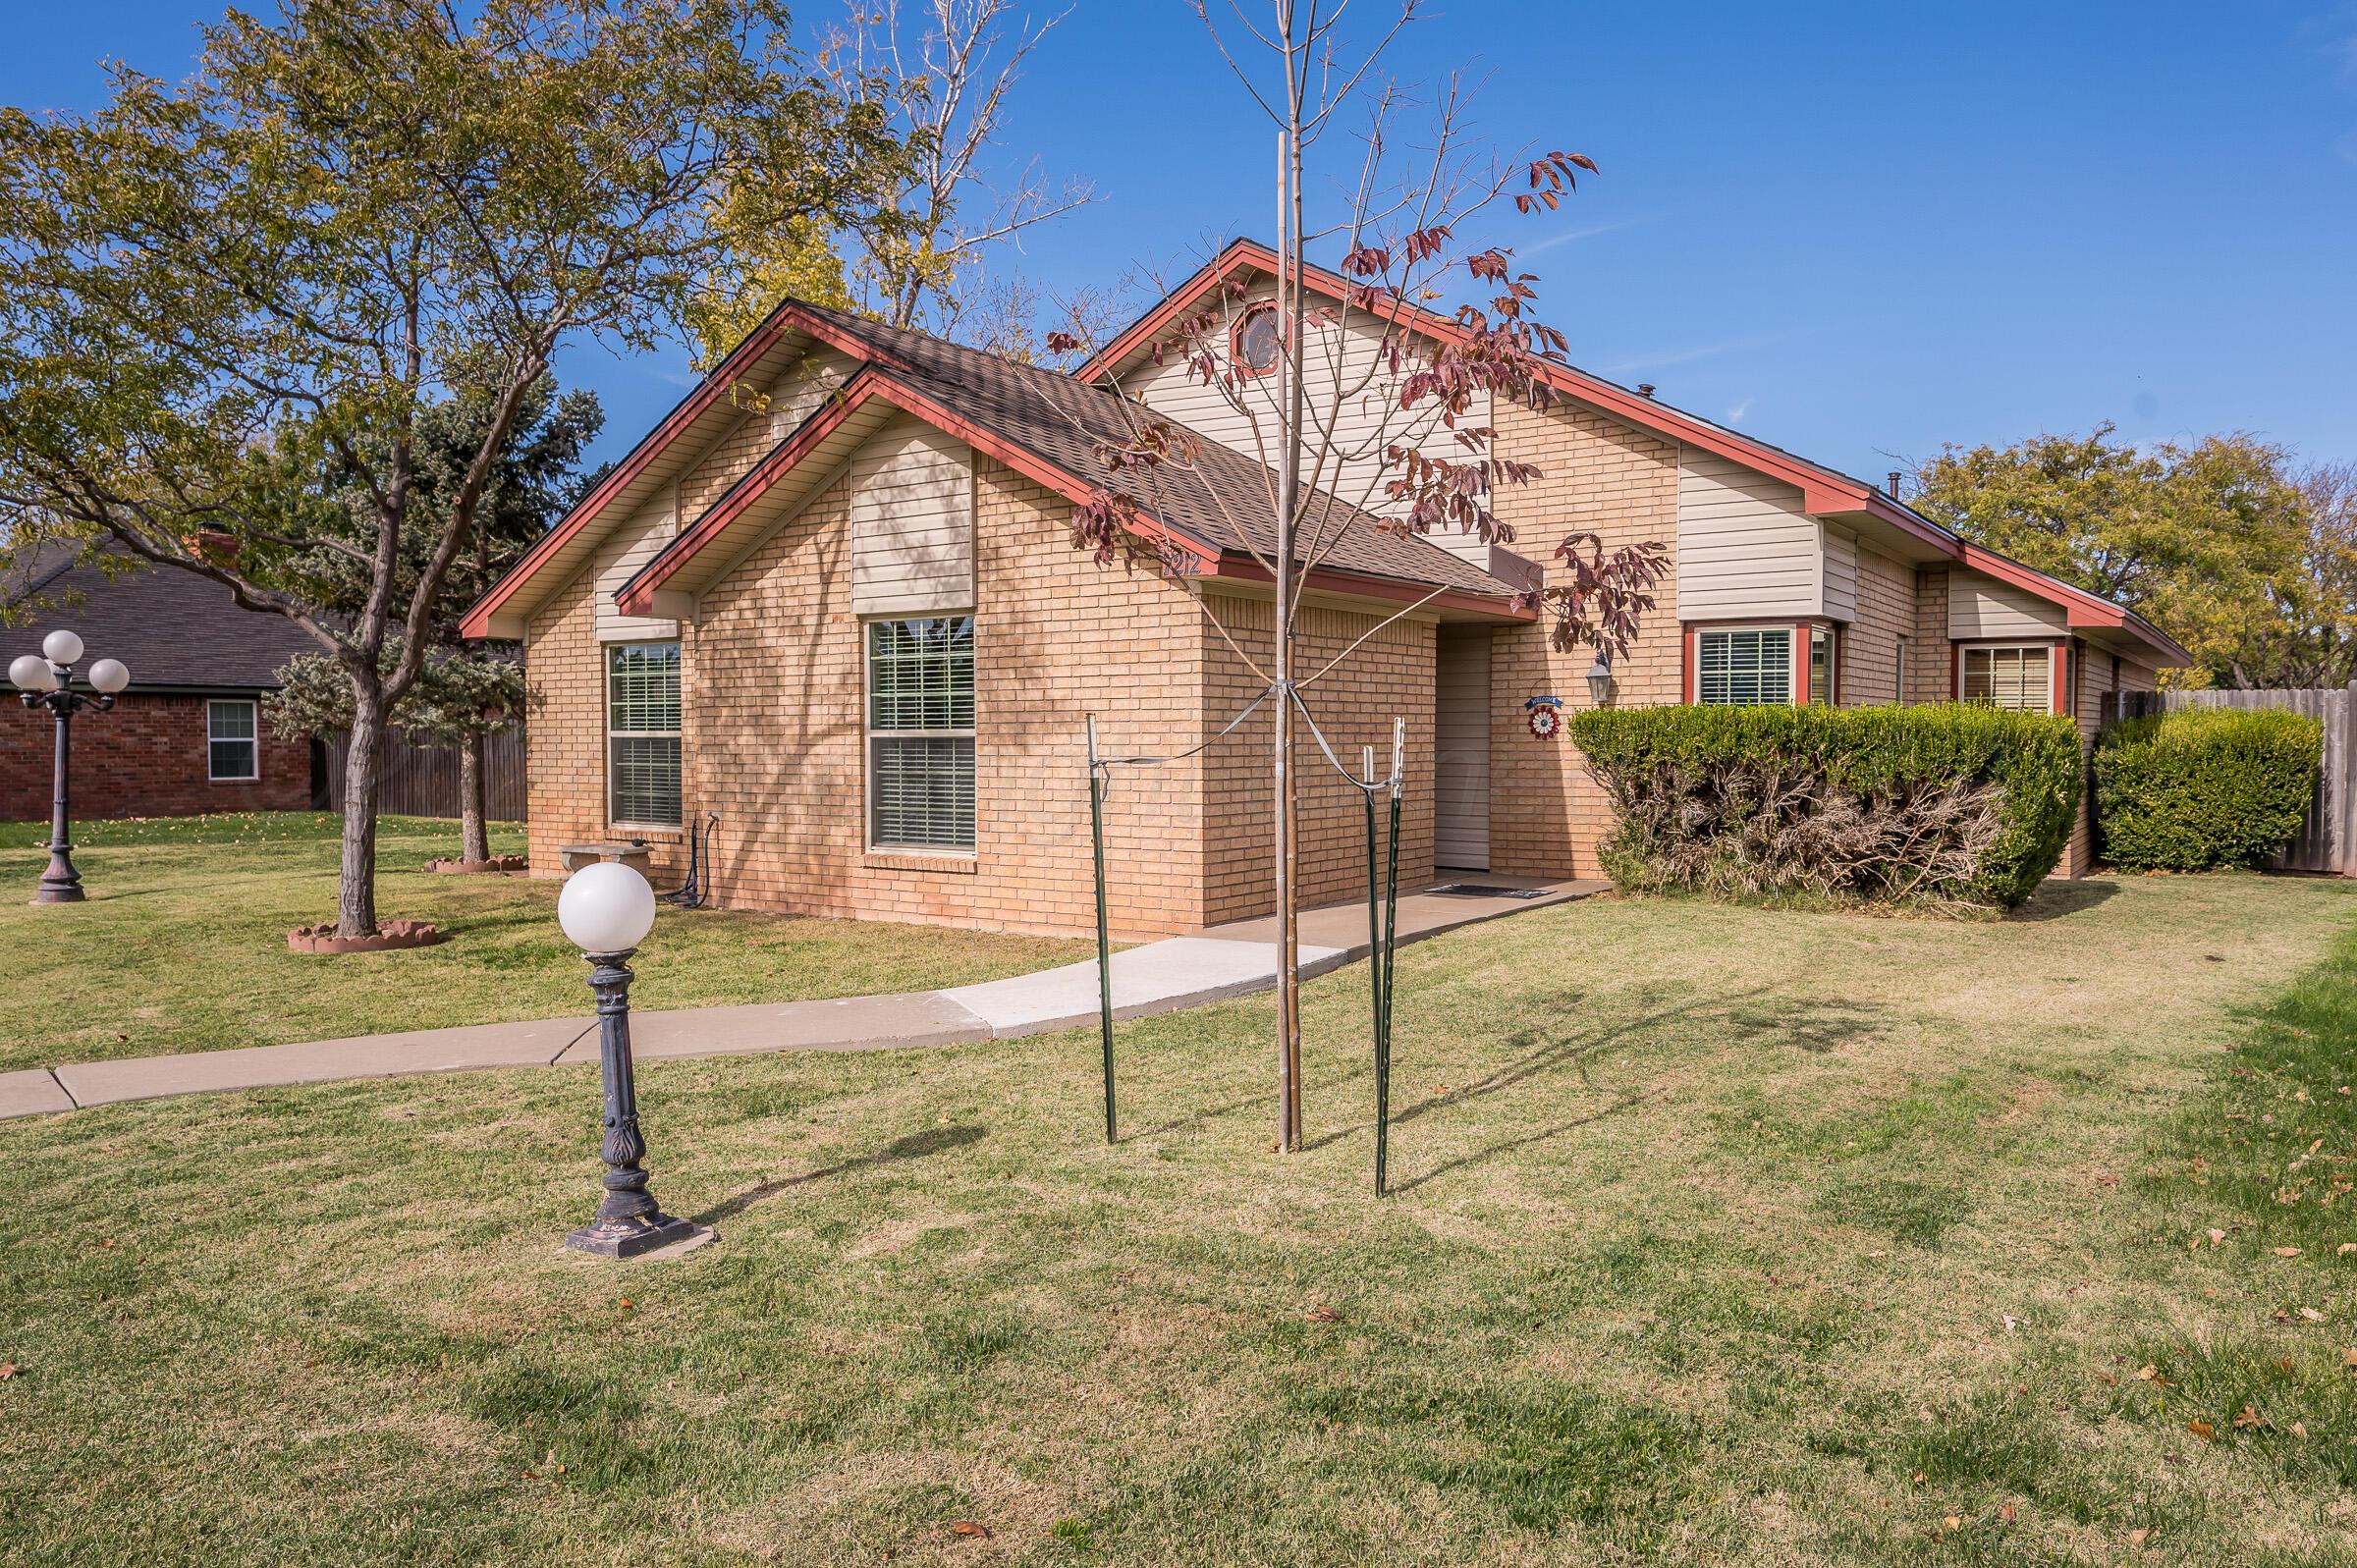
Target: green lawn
x,y
182,943
1725,1236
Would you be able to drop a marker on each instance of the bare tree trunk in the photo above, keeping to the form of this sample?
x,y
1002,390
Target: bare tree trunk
x,y
474,837
356,896
1291,362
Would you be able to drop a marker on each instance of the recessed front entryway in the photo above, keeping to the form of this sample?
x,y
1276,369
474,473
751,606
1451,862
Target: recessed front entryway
x,y
1460,825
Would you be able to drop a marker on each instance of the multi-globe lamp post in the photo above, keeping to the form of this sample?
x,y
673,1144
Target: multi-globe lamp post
x,y
45,679
607,909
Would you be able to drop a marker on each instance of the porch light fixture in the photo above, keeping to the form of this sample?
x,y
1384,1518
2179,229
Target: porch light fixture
x,y
607,909
1599,680
45,679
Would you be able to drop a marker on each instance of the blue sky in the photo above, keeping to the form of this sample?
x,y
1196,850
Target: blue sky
x,y
1855,230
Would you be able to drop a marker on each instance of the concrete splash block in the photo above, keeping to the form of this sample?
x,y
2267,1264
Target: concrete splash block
x,y
1159,977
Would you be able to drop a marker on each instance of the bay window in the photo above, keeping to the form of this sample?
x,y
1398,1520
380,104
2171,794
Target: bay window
x,y
920,733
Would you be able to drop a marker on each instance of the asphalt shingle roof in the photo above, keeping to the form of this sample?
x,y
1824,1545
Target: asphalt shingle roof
x,y
174,629
1059,420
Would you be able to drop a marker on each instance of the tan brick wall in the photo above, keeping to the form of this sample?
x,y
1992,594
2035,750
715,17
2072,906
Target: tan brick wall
x,y
1547,812
1869,668
1931,674
564,737
1392,673
774,736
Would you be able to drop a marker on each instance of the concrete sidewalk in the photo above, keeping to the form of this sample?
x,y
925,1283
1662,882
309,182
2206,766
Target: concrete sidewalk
x,y
1180,972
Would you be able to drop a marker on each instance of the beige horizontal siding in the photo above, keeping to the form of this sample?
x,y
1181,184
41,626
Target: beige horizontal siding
x,y
912,522
618,560
1366,423
1744,547
1980,607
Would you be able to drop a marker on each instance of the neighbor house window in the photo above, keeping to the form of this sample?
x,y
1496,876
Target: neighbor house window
x,y
1743,668
920,733
232,748
2008,677
1256,342
643,734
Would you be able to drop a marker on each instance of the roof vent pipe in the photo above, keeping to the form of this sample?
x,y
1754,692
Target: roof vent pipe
x,y
1895,484
1644,389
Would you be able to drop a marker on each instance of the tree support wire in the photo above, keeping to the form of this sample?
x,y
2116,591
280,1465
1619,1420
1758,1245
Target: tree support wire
x,y
1383,895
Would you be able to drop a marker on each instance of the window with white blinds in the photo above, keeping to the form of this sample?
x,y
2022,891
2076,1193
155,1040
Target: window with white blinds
x,y
2010,678
1743,668
920,733
643,734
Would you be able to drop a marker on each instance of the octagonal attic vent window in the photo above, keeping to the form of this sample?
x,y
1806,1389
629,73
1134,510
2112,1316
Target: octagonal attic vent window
x,y
1256,340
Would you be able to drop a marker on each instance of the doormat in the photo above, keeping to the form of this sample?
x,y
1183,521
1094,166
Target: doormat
x,y
1482,890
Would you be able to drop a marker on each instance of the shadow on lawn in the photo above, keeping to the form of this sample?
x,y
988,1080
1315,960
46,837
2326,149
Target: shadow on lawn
x,y
2055,899
1808,1024
915,1146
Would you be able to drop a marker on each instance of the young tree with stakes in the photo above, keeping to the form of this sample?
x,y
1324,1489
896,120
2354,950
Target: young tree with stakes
x,y
214,293
1370,401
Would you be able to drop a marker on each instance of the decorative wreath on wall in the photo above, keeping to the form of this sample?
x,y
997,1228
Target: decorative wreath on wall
x,y
1546,716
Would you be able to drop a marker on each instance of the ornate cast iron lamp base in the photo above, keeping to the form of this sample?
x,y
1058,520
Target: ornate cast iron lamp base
x,y
630,1222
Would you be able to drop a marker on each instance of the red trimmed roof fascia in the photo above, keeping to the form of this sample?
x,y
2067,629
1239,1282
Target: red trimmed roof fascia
x,y
758,342
637,595
1823,490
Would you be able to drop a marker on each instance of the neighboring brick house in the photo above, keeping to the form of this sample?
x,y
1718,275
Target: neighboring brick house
x,y
833,598
188,735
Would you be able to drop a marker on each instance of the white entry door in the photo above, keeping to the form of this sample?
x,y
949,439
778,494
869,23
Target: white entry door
x,y
1462,750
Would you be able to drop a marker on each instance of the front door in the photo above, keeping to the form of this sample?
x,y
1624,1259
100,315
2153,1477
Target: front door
x,y
1462,750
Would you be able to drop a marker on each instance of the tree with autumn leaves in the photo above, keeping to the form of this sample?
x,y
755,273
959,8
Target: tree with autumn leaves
x,y
356,212
1371,401
2229,544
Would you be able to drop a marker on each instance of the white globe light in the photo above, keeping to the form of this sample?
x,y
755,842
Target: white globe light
x,y
606,907
32,673
62,646
109,675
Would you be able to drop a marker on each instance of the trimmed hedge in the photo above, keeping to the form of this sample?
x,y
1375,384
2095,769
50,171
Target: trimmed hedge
x,y
1947,806
2204,786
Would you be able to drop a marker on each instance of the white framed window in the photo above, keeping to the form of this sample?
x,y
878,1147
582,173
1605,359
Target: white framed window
x,y
643,734
1822,684
2023,679
1743,666
920,733
233,751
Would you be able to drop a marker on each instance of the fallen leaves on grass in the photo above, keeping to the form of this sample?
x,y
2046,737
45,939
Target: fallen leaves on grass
x,y
969,1527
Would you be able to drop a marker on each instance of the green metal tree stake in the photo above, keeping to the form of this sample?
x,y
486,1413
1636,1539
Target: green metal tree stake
x,y
1375,956
1096,827
1390,950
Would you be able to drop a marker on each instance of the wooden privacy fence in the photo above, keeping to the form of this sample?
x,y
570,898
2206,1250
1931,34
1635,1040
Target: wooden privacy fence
x,y
2328,840
423,781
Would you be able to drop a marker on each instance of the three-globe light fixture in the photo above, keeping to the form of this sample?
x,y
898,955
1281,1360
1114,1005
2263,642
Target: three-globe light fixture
x,y
607,909
45,679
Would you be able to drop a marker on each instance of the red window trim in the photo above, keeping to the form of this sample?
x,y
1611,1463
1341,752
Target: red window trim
x,y
1236,333
2057,667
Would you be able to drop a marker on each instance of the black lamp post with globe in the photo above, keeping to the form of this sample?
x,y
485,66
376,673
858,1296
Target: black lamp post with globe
x,y
45,679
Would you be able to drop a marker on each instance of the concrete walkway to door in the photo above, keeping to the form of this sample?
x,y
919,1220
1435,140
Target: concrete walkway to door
x,y
1212,965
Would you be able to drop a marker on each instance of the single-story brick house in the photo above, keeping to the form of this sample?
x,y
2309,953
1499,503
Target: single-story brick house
x,y
188,735
832,597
